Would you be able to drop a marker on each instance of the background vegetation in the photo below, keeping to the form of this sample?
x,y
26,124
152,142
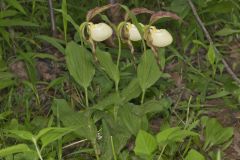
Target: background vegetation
x,y
189,109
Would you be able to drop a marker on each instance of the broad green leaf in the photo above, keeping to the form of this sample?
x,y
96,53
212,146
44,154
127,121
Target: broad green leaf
x,y
211,54
26,135
131,91
16,22
226,32
53,41
148,71
49,135
180,135
109,67
173,135
145,144
119,135
216,136
79,63
80,120
194,155
14,149
163,136
110,99
155,106
16,5
132,122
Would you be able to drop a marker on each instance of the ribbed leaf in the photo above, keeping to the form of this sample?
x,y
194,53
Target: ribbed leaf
x,y
145,144
79,63
148,72
14,149
109,67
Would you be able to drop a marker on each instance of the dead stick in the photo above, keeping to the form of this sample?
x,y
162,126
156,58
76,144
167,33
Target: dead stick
x,y
52,16
229,70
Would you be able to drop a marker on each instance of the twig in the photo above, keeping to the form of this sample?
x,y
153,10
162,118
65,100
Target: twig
x,y
52,16
74,143
228,68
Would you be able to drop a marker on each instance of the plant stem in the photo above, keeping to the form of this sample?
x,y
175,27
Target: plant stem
x,y
86,97
119,50
37,149
188,107
96,150
143,95
113,149
160,156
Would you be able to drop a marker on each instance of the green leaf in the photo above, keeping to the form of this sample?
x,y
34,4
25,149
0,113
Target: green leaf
x,y
109,67
4,115
80,120
194,155
145,144
147,72
131,121
14,149
216,136
6,80
79,63
8,13
162,137
155,106
173,135
53,41
16,22
211,54
49,135
218,95
132,90
16,5
226,32
26,135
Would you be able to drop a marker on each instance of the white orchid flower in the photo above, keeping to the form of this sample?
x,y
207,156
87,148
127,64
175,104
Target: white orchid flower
x,y
160,37
133,32
99,32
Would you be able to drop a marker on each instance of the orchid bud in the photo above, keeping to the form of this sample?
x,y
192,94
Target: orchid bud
x,y
133,32
160,37
99,32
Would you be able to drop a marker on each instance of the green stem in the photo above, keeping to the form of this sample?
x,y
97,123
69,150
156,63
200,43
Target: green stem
x,y
96,150
143,95
119,51
116,86
37,149
113,149
86,97
160,156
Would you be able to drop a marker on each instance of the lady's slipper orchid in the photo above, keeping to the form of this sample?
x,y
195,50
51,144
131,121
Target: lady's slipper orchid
x,y
160,37
99,32
133,33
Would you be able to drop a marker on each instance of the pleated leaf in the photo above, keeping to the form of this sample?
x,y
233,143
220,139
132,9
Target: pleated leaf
x,y
79,63
148,72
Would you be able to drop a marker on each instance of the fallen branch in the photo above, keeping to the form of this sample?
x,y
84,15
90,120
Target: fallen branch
x,y
228,68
